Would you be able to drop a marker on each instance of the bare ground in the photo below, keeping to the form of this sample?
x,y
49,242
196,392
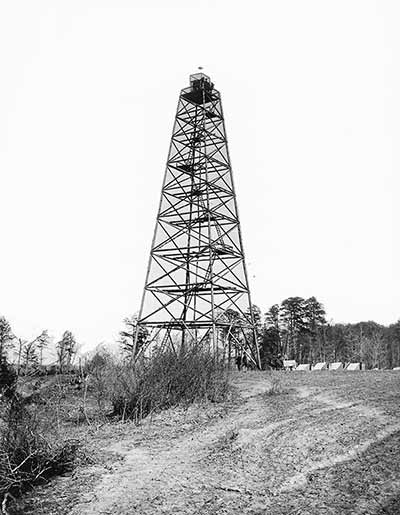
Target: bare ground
x,y
299,443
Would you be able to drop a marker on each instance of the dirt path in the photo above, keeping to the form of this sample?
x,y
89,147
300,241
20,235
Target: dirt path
x,y
265,454
166,472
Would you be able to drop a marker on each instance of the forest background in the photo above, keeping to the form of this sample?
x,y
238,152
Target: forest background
x,y
297,328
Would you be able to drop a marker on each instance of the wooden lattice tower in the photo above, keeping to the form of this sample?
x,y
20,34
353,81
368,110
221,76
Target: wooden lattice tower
x,y
196,283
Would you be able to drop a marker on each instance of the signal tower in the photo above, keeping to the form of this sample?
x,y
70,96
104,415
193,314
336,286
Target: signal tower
x,y
196,287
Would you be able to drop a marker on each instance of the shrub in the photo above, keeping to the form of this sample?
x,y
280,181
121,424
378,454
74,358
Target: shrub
x,y
26,456
99,376
8,379
275,387
165,380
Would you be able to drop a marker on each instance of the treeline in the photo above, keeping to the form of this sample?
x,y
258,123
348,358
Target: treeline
x,y
27,355
295,329
298,329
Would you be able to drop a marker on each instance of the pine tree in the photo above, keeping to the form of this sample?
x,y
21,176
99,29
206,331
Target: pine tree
x,y
29,356
271,346
42,341
293,318
272,317
6,337
314,318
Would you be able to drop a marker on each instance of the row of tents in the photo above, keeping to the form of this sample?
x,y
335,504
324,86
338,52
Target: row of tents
x,y
290,364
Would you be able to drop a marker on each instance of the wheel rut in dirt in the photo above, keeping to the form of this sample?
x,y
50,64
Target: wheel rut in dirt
x,y
170,471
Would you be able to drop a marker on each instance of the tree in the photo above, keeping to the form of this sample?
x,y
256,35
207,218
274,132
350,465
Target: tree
x,y
302,328
66,351
314,313
271,348
257,317
292,314
27,353
392,345
272,317
42,341
29,356
335,343
314,318
128,336
271,352
372,344
6,337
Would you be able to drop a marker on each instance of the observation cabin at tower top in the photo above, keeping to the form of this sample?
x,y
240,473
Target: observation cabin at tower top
x,y
201,90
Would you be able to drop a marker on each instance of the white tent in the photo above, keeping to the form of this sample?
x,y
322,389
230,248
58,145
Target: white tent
x,y
304,367
319,366
353,366
289,364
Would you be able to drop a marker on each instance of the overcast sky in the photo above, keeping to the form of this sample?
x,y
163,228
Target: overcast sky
x,y
88,92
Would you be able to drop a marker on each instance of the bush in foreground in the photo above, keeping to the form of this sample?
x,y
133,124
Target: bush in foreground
x,y
165,380
26,455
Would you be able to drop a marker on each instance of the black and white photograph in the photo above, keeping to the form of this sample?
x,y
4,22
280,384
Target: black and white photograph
x,y
199,257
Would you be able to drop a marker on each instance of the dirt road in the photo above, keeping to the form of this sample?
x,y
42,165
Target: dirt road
x,y
296,449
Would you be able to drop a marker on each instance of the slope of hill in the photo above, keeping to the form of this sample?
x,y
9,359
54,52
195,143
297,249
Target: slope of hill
x,y
286,443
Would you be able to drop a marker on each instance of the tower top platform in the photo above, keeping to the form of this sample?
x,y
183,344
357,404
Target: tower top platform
x,y
197,79
201,89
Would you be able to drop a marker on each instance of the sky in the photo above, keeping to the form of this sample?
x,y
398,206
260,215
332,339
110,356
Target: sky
x,y
88,93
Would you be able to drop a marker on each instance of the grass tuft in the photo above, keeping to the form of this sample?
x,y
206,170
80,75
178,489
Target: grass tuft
x,y
275,387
